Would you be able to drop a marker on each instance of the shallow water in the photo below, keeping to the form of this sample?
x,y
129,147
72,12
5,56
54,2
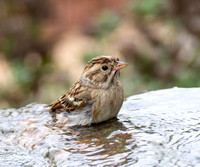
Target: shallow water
x,y
155,129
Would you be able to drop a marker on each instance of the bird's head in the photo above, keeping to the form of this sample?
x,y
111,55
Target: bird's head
x,y
102,72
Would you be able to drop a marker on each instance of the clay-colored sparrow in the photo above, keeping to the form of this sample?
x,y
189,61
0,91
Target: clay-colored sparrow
x,y
97,96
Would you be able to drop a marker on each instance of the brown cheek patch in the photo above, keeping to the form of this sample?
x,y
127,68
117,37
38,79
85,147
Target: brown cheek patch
x,y
100,78
97,76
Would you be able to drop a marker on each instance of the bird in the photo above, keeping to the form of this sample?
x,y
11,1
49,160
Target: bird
x,y
95,97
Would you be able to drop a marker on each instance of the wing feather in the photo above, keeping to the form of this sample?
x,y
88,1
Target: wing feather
x,y
75,99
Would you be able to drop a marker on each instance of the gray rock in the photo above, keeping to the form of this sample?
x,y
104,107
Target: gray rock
x,y
159,128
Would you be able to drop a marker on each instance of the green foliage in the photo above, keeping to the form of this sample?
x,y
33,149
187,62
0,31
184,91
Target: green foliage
x,y
188,78
7,46
22,74
106,22
146,7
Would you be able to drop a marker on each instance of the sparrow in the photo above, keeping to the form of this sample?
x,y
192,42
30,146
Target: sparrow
x,y
96,97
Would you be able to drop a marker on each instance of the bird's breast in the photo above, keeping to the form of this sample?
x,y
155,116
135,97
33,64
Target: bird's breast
x,y
107,103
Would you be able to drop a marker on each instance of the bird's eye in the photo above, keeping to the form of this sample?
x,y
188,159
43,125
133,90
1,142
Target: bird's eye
x,y
104,68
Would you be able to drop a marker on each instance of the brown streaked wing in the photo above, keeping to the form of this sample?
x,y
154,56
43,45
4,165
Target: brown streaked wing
x,y
76,98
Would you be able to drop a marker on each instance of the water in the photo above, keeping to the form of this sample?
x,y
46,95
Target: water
x,y
155,129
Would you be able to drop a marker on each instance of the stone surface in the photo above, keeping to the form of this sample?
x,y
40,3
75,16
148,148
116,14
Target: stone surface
x,y
159,128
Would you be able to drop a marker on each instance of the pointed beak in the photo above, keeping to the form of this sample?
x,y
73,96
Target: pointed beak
x,y
120,65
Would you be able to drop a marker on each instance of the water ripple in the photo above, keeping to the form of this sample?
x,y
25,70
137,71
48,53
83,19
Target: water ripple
x,y
158,129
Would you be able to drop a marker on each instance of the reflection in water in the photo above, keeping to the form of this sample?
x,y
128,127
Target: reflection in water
x,y
97,142
158,128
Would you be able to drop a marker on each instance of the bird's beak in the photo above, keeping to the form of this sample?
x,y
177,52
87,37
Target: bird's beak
x,y
120,65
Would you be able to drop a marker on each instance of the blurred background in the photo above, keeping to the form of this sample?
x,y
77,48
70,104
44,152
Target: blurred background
x,y
44,45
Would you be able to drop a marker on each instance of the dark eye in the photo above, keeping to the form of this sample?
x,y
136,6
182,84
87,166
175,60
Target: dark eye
x,y
104,68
